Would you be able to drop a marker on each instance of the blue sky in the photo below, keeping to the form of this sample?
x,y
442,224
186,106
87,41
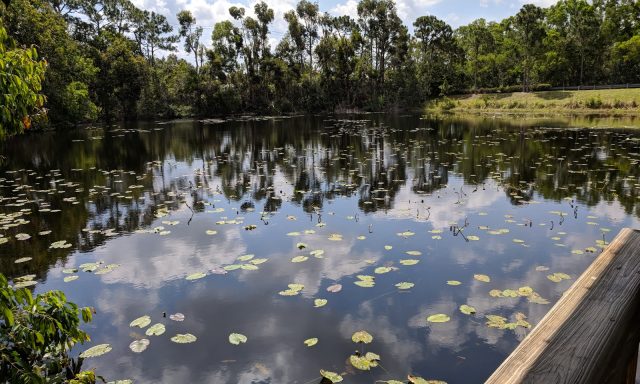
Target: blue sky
x,y
454,12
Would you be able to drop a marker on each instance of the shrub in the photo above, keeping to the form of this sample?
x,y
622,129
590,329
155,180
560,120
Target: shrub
x,y
36,335
594,103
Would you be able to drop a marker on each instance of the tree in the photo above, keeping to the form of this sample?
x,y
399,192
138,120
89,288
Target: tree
x,y
152,33
21,76
529,31
435,45
191,34
476,39
36,334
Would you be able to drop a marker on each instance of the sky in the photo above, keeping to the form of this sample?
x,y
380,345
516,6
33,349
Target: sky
x,y
454,12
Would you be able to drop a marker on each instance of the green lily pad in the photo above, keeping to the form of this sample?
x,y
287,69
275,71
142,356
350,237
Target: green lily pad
x,y
183,338
483,278
155,330
138,346
405,285
96,351
196,276
70,278
311,342
438,318
320,303
453,282
331,376
299,259
141,322
362,337
237,338
467,310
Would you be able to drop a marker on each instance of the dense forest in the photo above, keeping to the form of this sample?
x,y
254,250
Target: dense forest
x,y
108,60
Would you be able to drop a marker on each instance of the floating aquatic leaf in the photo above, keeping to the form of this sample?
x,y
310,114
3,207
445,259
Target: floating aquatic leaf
x,y
483,278
405,285
23,236
365,283
245,257
296,286
289,292
414,253
542,268
301,245
381,270
196,276
361,237
366,362
24,284
577,252
436,237
155,330
419,380
438,318
311,342
293,234
184,338
96,351
89,267
495,293
518,241
406,234
331,376
525,291
509,293
70,278
237,338
299,259
335,288
320,303
362,337
22,260
258,261
317,253
409,262
388,247
453,282
107,269
177,317
232,267
249,267
335,237
141,321
138,346
211,232
473,238
467,310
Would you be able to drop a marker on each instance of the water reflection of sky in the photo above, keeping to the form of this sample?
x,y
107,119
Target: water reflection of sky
x,y
248,162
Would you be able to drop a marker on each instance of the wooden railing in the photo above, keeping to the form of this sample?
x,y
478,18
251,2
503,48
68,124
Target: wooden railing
x,y
592,333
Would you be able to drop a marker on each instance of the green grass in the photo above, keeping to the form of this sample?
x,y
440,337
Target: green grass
x,y
609,101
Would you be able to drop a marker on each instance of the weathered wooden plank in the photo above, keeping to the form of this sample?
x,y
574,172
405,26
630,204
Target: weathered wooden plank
x,y
591,334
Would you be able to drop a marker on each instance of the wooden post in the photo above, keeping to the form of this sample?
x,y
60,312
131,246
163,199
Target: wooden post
x,y
592,333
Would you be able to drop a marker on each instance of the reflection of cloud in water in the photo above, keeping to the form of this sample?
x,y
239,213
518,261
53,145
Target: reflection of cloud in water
x,y
444,209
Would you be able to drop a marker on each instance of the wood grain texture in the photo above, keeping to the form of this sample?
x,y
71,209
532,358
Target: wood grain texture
x,y
591,333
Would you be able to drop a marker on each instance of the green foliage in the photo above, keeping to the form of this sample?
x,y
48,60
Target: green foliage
x,y
105,57
21,76
36,334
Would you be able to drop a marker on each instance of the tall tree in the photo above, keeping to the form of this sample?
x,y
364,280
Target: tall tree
x,y
191,34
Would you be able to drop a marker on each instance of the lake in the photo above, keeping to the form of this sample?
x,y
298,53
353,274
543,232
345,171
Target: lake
x,y
287,236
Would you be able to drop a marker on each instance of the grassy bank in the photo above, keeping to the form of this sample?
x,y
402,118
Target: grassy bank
x,y
609,101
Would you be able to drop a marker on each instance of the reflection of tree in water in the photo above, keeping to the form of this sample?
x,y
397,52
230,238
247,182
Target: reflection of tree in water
x,y
95,180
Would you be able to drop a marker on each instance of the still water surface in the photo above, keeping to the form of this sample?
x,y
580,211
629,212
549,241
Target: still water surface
x,y
467,212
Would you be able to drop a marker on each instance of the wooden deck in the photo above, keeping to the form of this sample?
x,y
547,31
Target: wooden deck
x,y
591,335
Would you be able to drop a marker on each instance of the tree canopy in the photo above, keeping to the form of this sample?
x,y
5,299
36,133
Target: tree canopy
x,y
108,59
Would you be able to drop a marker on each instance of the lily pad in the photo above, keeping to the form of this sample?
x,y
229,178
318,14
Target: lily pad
x,y
237,338
155,330
196,276
483,278
184,338
96,351
335,288
70,278
405,285
467,310
331,376
177,317
138,346
362,337
299,259
141,322
438,318
320,303
311,342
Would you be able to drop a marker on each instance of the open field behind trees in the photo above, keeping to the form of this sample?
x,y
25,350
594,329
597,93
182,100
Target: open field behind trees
x,y
608,101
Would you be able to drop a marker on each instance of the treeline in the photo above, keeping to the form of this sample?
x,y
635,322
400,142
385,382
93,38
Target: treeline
x,y
109,60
